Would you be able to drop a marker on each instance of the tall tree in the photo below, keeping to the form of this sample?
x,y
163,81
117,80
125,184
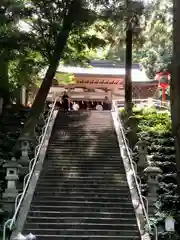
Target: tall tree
x,y
52,23
132,24
175,85
12,41
157,49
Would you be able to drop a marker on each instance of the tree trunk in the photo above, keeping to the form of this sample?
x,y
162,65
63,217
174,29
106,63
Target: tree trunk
x,y
40,98
128,67
175,86
4,79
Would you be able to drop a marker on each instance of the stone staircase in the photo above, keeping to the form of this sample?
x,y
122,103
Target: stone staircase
x,y
82,192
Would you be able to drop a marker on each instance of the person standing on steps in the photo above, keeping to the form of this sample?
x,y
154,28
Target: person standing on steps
x,y
65,102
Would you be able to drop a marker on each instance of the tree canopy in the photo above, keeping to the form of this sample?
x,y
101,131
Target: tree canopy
x,y
38,33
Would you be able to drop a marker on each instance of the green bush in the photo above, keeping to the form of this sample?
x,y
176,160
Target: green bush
x,y
150,120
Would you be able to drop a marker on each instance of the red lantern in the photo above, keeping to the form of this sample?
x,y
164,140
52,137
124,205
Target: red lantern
x,y
163,78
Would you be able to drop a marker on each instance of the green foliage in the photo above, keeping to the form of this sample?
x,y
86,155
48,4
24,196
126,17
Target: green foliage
x,y
157,49
23,52
152,39
154,127
24,70
152,121
64,78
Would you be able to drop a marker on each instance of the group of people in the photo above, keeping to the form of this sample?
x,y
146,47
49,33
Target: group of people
x,y
66,103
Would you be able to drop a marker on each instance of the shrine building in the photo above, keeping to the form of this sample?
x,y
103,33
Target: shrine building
x,y
103,81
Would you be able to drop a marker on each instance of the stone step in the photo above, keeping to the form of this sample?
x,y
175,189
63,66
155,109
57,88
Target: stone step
x,y
38,206
59,192
126,219
81,226
84,237
58,189
86,161
75,155
87,165
81,192
72,140
81,232
77,177
80,197
64,185
99,181
90,160
78,151
86,130
80,214
81,201
84,166
87,139
81,165
80,189
89,204
69,138
84,169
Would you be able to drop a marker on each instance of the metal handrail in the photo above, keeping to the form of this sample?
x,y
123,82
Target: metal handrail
x,y
156,102
133,170
10,222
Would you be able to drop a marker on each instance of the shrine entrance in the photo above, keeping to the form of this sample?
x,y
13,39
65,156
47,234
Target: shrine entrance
x,y
91,91
86,99
99,85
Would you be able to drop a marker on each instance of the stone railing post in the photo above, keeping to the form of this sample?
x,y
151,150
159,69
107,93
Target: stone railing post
x,y
11,191
152,174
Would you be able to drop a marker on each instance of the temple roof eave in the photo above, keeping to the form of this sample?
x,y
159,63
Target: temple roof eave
x,y
79,72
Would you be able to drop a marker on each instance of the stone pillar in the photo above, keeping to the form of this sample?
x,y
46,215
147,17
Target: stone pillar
x,y
24,159
69,94
1,105
11,191
132,133
142,152
1,210
152,174
110,95
23,95
110,98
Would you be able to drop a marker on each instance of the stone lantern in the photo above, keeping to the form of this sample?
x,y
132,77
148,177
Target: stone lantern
x,y
11,191
152,173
